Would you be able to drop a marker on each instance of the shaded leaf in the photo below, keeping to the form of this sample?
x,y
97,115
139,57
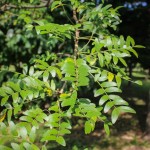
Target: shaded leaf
x,y
61,140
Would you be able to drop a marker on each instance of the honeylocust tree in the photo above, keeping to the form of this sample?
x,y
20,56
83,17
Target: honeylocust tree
x,y
89,57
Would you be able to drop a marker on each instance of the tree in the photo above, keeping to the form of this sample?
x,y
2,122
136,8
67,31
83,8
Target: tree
x,y
93,58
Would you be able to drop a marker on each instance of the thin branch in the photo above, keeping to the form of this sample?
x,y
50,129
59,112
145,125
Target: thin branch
x,y
63,87
77,32
63,54
66,14
47,5
76,43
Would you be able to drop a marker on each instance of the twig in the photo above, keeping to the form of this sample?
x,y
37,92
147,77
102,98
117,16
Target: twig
x,y
76,44
63,87
77,32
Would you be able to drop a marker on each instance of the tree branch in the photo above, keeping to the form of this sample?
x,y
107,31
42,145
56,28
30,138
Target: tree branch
x,y
76,44
77,32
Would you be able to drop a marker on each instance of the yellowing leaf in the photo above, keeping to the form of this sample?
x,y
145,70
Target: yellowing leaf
x,y
64,95
110,76
49,92
2,117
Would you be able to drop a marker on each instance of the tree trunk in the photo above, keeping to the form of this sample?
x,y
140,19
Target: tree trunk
x,y
148,116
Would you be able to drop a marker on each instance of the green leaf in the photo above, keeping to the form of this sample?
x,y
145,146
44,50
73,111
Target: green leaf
x,y
87,127
123,62
68,68
108,106
32,134
15,97
44,147
70,101
48,138
45,76
54,108
91,60
108,84
126,109
2,147
65,125
14,86
23,124
64,131
31,71
9,115
34,147
8,90
24,94
106,128
27,146
26,118
39,118
44,64
139,46
107,57
15,146
115,60
138,82
55,4
99,92
82,70
40,67
118,100
2,92
4,100
27,19
118,80
130,40
134,52
112,89
103,76
115,114
83,81
23,132
61,140
71,79
103,99
30,94
13,128
53,86
101,59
